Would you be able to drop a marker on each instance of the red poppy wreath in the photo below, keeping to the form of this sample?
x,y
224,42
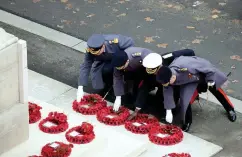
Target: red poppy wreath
x,y
178,155
109,117
165,135
34,113
56,149
141,124
81,134
55,123
89,104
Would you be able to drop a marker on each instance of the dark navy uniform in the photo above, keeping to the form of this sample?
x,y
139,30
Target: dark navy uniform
x,y
190,72
150,81
98,65
133,72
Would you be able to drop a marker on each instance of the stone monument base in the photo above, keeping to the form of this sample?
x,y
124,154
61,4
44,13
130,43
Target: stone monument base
x,y
13,91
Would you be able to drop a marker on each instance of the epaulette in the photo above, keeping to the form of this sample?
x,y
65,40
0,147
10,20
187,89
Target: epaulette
x,y
114,41
167,55
182,69
136,54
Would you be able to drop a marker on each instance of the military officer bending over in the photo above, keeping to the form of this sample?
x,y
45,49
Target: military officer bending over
x,y
97,60
152,62
188,73
128,68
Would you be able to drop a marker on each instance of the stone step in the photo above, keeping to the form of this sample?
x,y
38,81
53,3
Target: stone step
x,y
62,96
105,143
110,140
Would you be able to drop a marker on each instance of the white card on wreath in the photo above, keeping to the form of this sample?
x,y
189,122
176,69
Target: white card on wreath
x,y
74,133
137,124
54,145
49,124
110,116
85,106
162,135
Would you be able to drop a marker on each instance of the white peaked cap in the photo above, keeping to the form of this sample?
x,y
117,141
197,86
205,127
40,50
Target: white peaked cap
x,y
152,60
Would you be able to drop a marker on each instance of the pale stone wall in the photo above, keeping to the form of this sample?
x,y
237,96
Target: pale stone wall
x,y
14,127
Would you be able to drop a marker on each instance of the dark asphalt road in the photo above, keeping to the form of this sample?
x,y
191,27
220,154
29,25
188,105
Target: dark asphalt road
x,y
160,25
62,63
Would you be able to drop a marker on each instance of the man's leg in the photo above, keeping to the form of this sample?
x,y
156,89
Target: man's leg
x,y
139,76
224,100
107,74
159,97
143,93
176,95
132,79
188,119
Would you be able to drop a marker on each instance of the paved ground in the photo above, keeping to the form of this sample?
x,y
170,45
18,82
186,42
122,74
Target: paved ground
x,y
212,28
62,63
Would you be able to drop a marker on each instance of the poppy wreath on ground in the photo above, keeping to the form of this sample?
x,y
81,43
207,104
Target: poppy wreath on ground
x,y
165,135
178,155
109,117
55,123
34,113
141,124
81,134
89,104
56,149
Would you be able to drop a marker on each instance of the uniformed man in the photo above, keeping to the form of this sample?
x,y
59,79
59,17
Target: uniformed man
x,y
188,73
128,68
97,60
152,62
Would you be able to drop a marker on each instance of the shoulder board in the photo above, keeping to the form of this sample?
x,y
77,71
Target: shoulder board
x,y
114,41
167,56
136,54
183,69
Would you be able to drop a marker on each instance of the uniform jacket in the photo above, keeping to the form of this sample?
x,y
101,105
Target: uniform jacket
x,y
135,56
189,71
94,64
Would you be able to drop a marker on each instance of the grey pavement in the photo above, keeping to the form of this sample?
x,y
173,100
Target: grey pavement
x,y
62,63
213,28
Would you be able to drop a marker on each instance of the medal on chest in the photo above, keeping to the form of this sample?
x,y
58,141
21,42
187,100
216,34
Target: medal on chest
x,y
189,75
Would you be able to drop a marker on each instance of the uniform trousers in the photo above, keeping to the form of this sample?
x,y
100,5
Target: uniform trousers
x,y
149,84
107,75
132,80
218,93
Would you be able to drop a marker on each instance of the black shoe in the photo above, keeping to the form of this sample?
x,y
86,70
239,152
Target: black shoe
x,y
186,127
163,120
232,116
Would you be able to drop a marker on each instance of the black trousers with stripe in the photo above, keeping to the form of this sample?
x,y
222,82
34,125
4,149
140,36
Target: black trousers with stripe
x,y
218,93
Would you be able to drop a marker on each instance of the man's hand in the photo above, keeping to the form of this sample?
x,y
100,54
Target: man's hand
x,y
169,116
211,84
117,103
79,94
134,114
